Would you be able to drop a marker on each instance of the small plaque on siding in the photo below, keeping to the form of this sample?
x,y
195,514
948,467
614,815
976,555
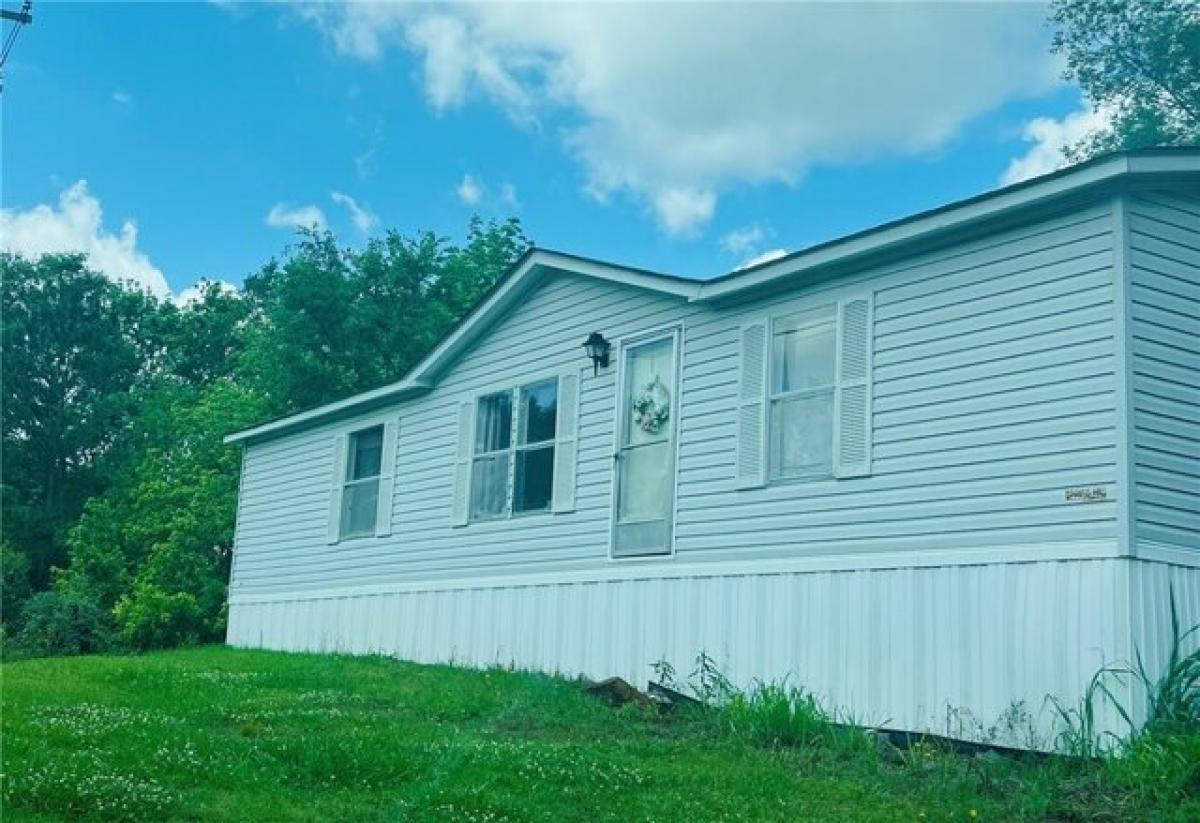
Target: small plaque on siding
x,y
1086,494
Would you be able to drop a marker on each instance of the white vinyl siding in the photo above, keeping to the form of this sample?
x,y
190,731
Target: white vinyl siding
x,y
991,392
1164,272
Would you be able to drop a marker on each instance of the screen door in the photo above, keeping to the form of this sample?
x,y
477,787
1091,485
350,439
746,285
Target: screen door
x,y
645,455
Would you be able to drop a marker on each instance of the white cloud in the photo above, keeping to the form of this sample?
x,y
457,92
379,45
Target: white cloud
x,y
473,191
740,241
363,218
675,104
508,196
470,191
1049,137
77,225
765,257
283,216
682,210
123,97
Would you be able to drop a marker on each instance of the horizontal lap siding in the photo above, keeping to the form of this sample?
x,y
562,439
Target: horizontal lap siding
x,y
993,394
1164,261
284,508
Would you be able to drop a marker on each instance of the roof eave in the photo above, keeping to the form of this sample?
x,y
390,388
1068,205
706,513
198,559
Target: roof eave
x,y
520,279
959,216
356,404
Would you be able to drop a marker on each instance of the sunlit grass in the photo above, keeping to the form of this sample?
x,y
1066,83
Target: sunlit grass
x,y
219,734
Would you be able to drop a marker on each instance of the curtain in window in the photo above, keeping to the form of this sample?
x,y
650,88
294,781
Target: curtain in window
x,y
489,476
493,423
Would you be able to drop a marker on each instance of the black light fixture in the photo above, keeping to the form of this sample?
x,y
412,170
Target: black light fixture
x,y
597,349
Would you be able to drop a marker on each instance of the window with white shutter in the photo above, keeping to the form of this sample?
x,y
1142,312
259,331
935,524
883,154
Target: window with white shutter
x,y
460,508
336,479
565,444
516,451
750,447
852,411
818,392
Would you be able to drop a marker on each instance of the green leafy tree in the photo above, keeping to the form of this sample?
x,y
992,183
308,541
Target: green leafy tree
x,y
14,583
1139,60
203,340
336,321
116,406
156,547
74,345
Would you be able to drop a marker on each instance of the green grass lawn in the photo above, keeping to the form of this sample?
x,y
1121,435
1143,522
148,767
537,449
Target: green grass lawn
x,y
219,734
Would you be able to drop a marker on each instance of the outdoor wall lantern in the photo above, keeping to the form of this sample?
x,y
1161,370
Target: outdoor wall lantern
x,y
597,349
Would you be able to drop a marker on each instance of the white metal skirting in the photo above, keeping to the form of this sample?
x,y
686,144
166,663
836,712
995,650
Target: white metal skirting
x,y
949,650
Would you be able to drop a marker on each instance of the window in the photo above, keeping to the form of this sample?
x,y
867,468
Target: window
x,y
524,462
802,382
534,473
360,491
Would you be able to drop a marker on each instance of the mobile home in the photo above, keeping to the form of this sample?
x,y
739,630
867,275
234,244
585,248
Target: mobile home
x,y
935,471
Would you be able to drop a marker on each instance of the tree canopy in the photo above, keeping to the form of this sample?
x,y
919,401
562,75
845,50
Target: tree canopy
x,y
118,491
1137,60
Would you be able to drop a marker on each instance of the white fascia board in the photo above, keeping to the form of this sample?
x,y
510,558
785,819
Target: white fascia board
x,y
423,376
393,392
665,284
985,207
1165,163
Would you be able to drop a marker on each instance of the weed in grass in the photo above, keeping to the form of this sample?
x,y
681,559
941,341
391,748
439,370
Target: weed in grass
x,y
1079,735
1172,701
664,673
1174,698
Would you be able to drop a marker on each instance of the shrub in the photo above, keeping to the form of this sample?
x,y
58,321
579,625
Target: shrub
x,y
54,623
153,618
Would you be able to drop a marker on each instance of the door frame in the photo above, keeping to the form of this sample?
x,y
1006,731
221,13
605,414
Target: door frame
x,y
673,331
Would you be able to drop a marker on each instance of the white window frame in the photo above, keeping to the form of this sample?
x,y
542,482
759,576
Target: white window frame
x,y
348,483
514,447
519,447
773,477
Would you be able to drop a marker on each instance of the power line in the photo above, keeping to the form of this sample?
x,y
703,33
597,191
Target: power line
x,y
19,20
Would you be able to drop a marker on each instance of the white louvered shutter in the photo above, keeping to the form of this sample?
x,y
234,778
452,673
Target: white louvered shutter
x,y
566,439
751,459
460,509
852,404
387,479
336,482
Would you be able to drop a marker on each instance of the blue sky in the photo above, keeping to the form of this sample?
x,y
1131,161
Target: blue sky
x,y
681,139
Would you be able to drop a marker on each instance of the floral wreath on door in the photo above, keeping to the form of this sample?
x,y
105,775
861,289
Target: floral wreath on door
x,y
652,407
